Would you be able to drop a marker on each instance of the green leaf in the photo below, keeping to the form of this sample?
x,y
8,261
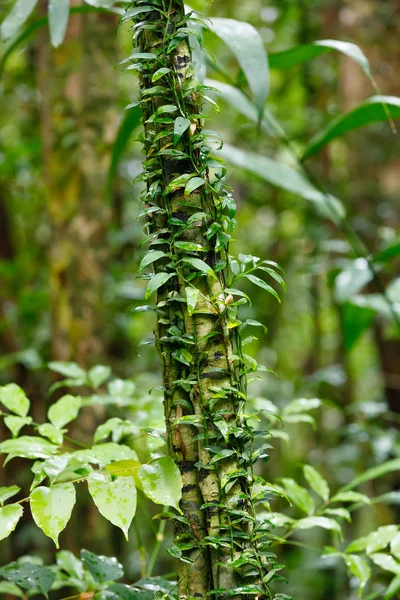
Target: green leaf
x,y
162,482
262,284
302,405
70,564
129,123
359,567
379,539
324,522
299,54
183,356
29,576
160,73
102,568
54,434
317,482
58,21
68,369
355,320
387,467
284,177
9,517
14,398
180,126
199,265
7,492
156,282
338,512
248,47
178,182
16,18
374,109
28,447
299,495
126,468
194,184
52,507
102,454
352,279
190,246
395,546
350,497
192,295
116,500
392,588
7,587
151,257
386,562
64,410
15,424
98,375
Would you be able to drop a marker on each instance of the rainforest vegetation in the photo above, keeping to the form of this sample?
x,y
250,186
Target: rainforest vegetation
x,y
199,300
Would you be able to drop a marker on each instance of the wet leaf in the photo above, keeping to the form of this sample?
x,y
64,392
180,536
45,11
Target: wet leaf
x,y
29,576
13,397
180,126
162,482
9,517
64,410
52,508
116,500
359,567
102,568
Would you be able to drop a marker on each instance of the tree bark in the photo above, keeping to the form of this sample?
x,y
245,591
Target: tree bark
x,y
204,387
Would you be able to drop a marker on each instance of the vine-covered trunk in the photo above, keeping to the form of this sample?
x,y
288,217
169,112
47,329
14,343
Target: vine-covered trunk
x,y
189,225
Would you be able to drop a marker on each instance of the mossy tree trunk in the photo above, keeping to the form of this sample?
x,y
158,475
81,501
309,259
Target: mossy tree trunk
x,y
189,222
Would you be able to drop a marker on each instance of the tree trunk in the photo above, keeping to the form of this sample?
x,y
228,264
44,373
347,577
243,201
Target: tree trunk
x,y
204,375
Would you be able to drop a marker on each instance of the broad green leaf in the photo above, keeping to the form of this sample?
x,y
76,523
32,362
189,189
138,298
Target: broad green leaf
x,y
392,589
120,591
180,126
15,424
178,182
192,295
183,356
64,410
14,398
162,482
52,508
102,568
58,21
156,282
299,495
299,54
338,512
386,562
359,567
193,184
70,564
116,500
68,369
29,576
395,546
16,18
99,374
302,405
262,284
102,454
27,447
282,176
350,496
248,47
9,517
126,468
352,279
387,467
189,246
317,482
150,257
7,492
199,265
324,522
379,539
355,320
374,109
54,434
7,587
129,123
358,545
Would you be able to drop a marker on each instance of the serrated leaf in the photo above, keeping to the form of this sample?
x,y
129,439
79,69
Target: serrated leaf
x,y
299,495
52,508
248,47
151,257
193,184
317,482
162,482
9,517
359,567
58,21
64,410
156,282
99,374
29,576
262,284
386,562
116,500
15,424
102,568
13,397
324,522
192,295
17,16
200,265
180,126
